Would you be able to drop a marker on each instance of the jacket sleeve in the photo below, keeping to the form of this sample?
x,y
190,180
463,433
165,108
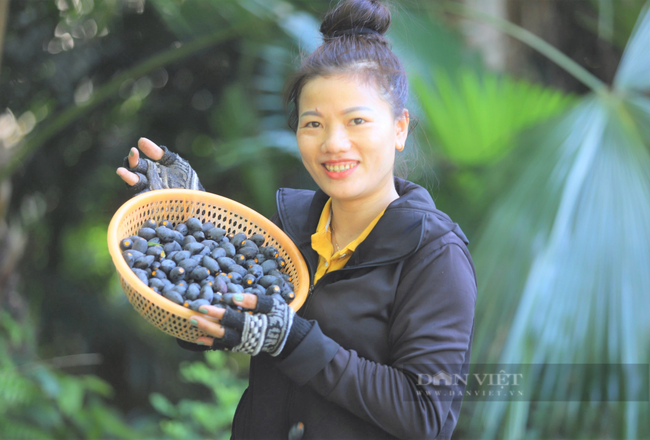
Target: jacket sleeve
x,y
431,329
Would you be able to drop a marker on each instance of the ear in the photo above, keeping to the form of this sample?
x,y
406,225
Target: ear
x,y
401,129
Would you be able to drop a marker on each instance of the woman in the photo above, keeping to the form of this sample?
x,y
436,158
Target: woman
x,y
393,284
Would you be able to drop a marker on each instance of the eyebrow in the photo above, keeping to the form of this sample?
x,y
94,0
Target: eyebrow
x,y
346,111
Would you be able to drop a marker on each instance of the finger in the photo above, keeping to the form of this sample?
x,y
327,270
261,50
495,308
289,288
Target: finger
x,y
209,327
205,340
153,151
246,300
215,312
126,175
134,156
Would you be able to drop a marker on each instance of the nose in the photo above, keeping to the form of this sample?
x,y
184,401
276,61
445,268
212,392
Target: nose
x,y
336,140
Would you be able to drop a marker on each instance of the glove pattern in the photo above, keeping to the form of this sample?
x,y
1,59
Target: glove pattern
x,y
170,171
264,331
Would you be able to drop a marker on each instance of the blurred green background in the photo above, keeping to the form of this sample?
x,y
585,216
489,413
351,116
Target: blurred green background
x,y
540,154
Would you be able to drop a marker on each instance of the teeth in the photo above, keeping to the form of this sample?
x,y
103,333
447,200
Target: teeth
x,y
339,168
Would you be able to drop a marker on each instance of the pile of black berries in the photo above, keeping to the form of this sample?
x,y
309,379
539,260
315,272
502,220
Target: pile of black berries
x,y
196,264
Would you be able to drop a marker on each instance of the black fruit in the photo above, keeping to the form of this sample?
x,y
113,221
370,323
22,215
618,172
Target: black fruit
x,y
151,223
192,291
210,264
226,263
216,234
199,264
206,227
199,236
248,280
220,285
288,296
167,265
235,278
139,244
273,289
193,224
281,262
271,252
166,223
126,244
166,235
258,239
194,305
257,271
218,253
269,265
248,252
177,274
206,293
238,269
172,247
144,262
147,233
173,296
156,282
189,264
210,244
182,228
269,280
229,248
200,273
142,275
238,239
194,248
156,251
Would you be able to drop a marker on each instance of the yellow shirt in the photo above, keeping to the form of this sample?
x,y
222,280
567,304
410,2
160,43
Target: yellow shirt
x,y
321,242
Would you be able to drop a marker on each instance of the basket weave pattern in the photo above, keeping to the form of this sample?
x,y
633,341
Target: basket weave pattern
x,y
177,205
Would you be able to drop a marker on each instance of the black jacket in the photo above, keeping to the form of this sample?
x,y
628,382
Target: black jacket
x,y
399,311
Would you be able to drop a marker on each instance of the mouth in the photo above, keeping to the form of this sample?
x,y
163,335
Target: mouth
x,y
340,167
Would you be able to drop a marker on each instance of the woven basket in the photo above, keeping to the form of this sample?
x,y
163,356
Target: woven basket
x,y
178,205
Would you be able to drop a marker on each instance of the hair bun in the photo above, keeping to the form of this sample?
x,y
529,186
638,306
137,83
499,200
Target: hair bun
x,y
356,14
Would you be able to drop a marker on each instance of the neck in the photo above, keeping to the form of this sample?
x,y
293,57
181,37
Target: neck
x,y
351,217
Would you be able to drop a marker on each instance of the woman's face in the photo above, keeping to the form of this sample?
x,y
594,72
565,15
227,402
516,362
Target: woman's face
x,y
347,135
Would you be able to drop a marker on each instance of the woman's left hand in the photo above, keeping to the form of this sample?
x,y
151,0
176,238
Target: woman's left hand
x,y
266,329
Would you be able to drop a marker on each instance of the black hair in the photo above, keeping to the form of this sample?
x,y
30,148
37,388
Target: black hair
x,y
353,43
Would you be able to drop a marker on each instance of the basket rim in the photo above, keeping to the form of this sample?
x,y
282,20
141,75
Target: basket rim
x,y
188,195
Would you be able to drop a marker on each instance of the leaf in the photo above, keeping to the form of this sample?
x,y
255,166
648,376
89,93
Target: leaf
x,y
632,73
561,264
70,399
163,405
476,117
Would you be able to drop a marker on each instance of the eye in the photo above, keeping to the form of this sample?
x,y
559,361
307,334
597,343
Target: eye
x,y
358,121
316,124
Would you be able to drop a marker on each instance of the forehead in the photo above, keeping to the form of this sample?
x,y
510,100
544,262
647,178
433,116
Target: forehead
x,y
341,91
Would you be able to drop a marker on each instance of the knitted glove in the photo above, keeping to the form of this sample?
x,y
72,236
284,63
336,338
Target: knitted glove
x,y
171,171
232,338
266,330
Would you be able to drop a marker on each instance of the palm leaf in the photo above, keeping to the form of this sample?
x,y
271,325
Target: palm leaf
x,y
475,117
562,266
633,69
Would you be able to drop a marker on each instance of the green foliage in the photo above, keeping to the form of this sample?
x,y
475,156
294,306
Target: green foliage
x,y
476,117
193,419
39,402
562,265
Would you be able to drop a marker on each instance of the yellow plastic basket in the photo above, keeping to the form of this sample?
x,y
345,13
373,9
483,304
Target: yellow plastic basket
x,y
178,205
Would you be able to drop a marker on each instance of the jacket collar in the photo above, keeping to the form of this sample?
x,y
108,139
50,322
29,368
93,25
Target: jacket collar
x,y
407,222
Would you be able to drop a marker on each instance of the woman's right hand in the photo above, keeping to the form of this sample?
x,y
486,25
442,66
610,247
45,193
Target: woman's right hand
x,y
162,170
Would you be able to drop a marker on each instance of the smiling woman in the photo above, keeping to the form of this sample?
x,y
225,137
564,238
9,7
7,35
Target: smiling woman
x,y
393,285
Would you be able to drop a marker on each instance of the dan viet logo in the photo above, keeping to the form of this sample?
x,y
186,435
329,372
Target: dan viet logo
x,y
455,384
526,382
